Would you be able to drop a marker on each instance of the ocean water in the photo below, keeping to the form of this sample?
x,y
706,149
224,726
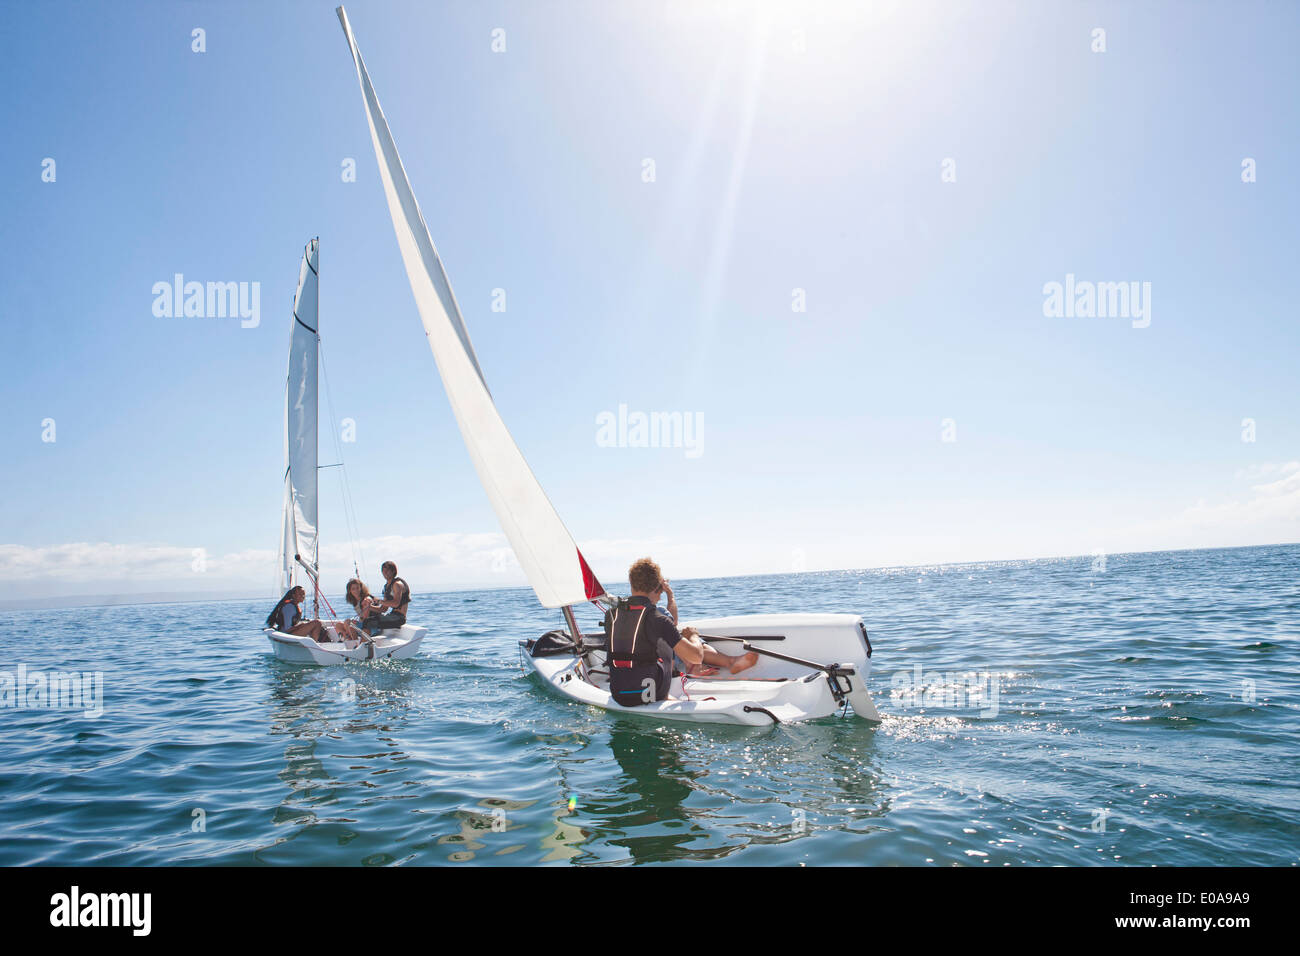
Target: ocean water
x,y
1147,713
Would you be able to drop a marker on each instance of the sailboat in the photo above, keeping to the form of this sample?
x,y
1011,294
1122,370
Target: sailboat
x,y
812,665
299,539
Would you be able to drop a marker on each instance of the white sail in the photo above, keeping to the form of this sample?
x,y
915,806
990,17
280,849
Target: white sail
x,y
300,427
555,567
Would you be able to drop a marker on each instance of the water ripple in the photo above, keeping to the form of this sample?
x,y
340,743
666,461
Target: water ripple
x,y
1147,714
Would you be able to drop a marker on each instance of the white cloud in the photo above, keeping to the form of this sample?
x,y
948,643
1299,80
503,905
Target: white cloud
x,y
1256,472
460,557
430,562
86,561
1265,512
1271,504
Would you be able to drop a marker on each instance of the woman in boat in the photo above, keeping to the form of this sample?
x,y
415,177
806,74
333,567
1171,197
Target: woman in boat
x,y
287,617
368,610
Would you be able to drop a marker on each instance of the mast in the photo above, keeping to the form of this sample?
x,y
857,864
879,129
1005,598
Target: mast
x,y
314,253
570,620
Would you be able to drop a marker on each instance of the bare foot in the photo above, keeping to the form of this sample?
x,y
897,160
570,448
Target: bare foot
x,y
702,670
743,663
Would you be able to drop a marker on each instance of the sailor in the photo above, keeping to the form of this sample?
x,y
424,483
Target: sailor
x,y
644,641
286,617
359,596
397,596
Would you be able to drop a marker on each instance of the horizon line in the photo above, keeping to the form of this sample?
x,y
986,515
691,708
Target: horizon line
x,y
146,598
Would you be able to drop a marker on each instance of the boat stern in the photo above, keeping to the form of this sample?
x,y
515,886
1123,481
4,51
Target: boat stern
x,y
821,639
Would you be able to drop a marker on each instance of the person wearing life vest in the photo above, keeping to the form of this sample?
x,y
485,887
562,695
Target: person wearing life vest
x,y
396,599
644,640
367,605
286,617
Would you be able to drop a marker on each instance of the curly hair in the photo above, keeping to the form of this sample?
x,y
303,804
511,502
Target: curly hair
x,y
644,576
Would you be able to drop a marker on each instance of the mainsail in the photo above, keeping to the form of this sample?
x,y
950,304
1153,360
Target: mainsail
x,y
300,433
555,567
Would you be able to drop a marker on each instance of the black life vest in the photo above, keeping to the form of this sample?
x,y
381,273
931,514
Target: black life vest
x,y
629,642
406,594
274,620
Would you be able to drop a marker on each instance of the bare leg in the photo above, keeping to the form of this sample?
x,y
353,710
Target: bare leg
x,y
715,658
709,666
312,629
743,662
733,664
351,632
715,661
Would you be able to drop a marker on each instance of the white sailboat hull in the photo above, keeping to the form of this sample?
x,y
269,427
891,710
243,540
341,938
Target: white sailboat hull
x,y
395,644
773,691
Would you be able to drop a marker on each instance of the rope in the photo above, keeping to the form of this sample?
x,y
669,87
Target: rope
x,y
315,581
321,594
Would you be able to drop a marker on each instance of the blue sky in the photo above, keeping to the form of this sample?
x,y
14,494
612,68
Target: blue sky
x,y
795,146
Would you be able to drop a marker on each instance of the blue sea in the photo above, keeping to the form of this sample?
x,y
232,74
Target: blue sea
x,y
1141,711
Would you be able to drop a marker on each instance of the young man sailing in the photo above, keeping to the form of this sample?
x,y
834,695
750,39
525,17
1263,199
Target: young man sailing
x,y
643,641
396,597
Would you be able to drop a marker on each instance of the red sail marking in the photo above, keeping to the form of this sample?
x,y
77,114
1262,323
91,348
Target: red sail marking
x,y
589,582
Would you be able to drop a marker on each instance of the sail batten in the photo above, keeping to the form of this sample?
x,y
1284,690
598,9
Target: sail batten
x,y
555,568
299,534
